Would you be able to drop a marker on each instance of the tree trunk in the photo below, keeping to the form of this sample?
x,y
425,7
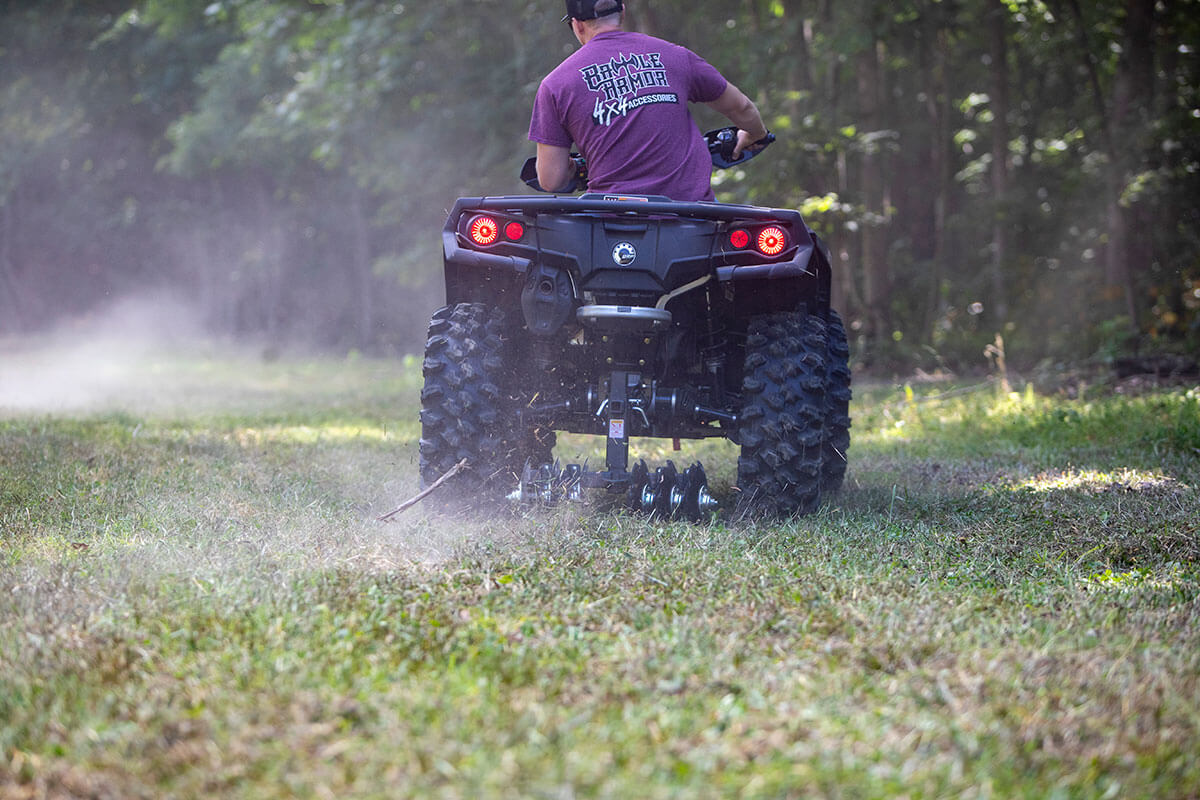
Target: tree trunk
x,y
269,280
998,46
876,277
845,247
1132,92
361,267
800,75
217,268
11,317
643,19
1132,113
936,164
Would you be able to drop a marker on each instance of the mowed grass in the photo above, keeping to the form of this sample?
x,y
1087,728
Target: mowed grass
x,y
196,599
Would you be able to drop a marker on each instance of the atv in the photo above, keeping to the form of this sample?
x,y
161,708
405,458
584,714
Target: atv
x,y
634,316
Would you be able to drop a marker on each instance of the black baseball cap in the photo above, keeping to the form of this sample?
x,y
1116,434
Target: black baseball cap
x,y
586,9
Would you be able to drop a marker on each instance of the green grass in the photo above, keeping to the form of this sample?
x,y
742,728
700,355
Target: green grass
x,y
197,600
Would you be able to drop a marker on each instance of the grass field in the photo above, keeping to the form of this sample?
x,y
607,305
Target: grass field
x,y
196,600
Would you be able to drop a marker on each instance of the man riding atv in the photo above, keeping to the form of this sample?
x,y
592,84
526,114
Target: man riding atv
x,y
637,309
622,99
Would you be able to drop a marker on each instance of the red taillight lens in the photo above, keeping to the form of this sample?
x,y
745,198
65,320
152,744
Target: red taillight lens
x,y
484,231
771,240
740,239
514,231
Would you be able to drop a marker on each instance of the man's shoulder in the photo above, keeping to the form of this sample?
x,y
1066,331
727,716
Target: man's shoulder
x,y
566,66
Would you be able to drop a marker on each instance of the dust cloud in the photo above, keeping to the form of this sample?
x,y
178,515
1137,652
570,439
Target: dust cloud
x,y
96,362
289,497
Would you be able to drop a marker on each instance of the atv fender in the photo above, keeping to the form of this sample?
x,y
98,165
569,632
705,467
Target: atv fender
x,y
472,276
508,265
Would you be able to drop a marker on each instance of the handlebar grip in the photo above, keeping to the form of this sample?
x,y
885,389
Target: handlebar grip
x,y
579,177
722,141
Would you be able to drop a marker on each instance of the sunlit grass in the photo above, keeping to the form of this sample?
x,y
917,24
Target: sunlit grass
x,y
978,421
331,433
1172,578
1093,481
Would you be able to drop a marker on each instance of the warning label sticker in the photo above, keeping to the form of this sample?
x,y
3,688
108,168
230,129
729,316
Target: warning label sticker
x,y
616,429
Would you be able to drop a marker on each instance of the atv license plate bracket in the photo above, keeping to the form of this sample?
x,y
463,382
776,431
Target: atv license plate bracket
x,y
616,454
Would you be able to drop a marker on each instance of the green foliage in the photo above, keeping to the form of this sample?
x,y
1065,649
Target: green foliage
x,y
262,154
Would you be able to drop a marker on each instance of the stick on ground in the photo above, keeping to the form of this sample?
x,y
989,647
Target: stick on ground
x,y
412,501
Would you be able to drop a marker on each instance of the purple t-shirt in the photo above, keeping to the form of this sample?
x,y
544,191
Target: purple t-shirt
x,y
622,99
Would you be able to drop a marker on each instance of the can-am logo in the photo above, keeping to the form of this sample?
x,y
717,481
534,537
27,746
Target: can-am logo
x,y
624,254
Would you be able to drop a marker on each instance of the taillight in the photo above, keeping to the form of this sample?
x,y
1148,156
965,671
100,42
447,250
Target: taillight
x,y
484,231
771,240
514,231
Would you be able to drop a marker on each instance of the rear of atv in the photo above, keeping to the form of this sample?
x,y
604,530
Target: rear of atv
x,y
623,317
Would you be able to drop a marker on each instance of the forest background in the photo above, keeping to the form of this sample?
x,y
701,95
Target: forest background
x,y
1027,168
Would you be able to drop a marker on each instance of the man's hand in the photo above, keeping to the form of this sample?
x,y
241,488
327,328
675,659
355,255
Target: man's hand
x,y
746,141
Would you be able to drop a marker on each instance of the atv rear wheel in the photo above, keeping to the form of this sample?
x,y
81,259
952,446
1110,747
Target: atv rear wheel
x,y
783,414
469,405
837,406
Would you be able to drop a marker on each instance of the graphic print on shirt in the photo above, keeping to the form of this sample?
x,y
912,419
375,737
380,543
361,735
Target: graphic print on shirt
x,y
618,81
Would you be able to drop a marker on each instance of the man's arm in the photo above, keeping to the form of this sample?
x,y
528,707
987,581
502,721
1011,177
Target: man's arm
x,y
554,166
741,112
